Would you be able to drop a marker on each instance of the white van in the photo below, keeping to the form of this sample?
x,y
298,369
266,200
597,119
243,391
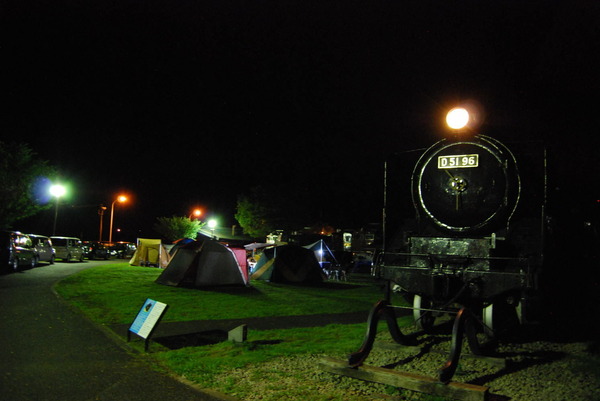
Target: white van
x,y
68,248
43,248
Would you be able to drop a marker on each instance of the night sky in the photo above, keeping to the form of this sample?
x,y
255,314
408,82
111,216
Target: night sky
x,y
185,103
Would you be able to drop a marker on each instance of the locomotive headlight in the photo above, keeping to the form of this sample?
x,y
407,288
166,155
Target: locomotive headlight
x,y
457,118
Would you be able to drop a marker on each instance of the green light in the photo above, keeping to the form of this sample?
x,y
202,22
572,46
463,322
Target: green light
x,y
57,190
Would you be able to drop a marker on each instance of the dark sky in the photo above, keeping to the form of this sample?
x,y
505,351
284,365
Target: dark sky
x,y
193,102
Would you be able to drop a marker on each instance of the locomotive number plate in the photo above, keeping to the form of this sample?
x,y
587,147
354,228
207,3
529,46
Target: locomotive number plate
x,y
458,161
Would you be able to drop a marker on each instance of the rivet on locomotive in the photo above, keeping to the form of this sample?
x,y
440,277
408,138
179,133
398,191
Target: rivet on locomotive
x,y
475,247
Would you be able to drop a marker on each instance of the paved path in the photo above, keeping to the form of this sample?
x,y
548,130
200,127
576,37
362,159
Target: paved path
x,y
49,352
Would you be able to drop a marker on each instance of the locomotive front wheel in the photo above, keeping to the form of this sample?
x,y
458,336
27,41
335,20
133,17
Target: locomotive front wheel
x,y
424,319
501,316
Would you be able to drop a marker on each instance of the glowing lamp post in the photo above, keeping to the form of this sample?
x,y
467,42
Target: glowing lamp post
x,y
196,213
212,224
57,191
119,199
101,210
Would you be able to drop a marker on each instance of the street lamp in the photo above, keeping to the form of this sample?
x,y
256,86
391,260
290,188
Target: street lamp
x,y
212,224
121,199
101,210
57,191
196,213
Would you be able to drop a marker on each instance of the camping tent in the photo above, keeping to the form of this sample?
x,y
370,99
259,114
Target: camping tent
x,y
288,264
206,263
178,244
150,252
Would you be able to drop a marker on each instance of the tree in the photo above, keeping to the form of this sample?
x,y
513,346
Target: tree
x,y
254,216
174,228
266,209
24,181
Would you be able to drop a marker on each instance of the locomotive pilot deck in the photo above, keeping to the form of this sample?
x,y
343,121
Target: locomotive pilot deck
x,y
441,267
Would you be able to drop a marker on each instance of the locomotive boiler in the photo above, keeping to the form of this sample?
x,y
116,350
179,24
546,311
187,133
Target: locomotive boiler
x,y
474,247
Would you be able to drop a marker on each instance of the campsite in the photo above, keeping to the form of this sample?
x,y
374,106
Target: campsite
x,y
291,310
308,311
207,262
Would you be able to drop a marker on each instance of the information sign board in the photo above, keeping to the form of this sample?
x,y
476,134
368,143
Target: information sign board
x,y
147,318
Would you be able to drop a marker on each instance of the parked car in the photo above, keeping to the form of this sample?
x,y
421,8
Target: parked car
x,y
122,249
16,250
68,248
96,250
43,247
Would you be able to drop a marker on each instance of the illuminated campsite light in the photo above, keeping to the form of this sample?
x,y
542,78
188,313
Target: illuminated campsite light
x,y
57,191
196,213
120,199
212,224
457,118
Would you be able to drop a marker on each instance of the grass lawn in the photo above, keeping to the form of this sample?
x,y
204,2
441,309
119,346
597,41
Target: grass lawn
x,y
113,294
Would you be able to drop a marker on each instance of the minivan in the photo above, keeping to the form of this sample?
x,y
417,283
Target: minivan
x,y
43,247
68,248
16,250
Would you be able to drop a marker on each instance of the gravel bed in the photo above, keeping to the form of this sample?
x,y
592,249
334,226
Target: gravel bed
x,y
535,371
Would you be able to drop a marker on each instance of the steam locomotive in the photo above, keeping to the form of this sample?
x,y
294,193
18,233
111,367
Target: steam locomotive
x,y
476,239
479,231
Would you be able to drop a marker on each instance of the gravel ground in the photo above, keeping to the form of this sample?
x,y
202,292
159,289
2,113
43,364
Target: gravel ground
x,y
535,371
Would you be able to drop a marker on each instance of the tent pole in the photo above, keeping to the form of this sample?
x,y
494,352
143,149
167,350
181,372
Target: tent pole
x,y
321,254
